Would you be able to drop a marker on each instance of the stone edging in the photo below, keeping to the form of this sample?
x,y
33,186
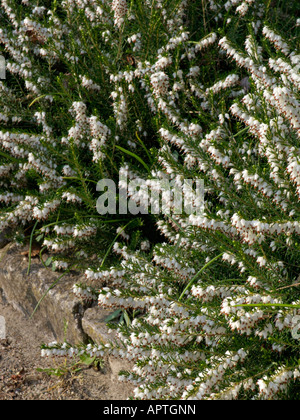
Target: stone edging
x,y
66,316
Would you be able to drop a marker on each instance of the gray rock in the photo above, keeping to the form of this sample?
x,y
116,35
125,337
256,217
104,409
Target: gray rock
x,y
94,325
62,311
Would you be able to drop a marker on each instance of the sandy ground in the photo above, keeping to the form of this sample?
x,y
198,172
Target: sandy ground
x,y
20,358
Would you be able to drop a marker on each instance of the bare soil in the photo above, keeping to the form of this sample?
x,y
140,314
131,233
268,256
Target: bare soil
x,y
20,358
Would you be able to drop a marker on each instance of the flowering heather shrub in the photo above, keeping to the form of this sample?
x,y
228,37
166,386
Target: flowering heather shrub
x,y
213,87
71,98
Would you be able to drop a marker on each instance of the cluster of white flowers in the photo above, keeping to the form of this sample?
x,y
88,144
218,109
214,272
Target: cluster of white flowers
x,y
181,269
230,80
84,231
48,208
145,246
85,293
120,104
120,9
279,382
61,265
277,40
71,198
112,299
75,231
53,350
10,198
59,246
206,42
21,214
160,83
89,84
136,40
113,276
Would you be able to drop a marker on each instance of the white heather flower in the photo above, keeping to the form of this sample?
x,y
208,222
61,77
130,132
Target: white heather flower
x,y
145,245
120,10
160,83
